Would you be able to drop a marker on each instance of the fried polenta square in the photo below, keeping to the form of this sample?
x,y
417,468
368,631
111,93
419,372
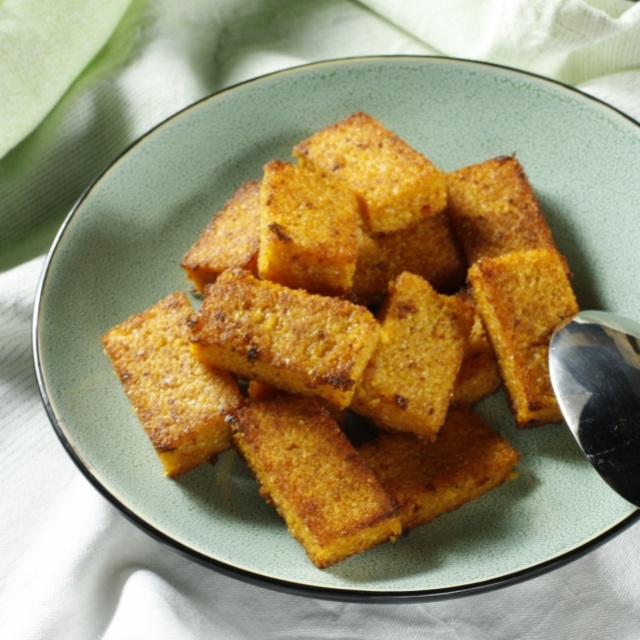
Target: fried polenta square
x,y
429,249
291,339
180,402
408,383
522,297
494,210
426,480
309,229
330,500
398,185
479,375
231,239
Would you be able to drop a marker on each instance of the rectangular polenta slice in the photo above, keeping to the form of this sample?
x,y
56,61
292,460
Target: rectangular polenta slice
x,y
466,460
309,229
479,375
494,209
429,249
398,185
408,382
231,239
180,402
521,298
294,340
305,466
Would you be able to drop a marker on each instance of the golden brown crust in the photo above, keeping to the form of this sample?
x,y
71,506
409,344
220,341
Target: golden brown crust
x,y
479,375
231,239
429,249
309,229
466,460
494,209
408,383
180,402
398,185
521,298
330,500
297,341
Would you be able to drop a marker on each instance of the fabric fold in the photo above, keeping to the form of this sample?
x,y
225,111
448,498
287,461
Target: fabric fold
x,y
44,46
568,40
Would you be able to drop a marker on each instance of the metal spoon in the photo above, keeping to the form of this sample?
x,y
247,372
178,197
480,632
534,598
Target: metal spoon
x,y
594,361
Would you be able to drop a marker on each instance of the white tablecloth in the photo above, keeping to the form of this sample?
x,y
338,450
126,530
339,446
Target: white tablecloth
x,y
81,79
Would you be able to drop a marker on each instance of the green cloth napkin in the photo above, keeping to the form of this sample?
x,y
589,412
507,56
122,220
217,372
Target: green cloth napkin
x,y
44,46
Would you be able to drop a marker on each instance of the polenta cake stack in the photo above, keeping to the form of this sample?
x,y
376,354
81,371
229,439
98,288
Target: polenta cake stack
x,y
355,278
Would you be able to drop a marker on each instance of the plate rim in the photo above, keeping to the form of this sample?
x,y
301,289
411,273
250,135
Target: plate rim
x,y
226,568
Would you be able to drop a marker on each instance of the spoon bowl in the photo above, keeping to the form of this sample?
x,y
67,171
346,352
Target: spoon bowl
x,y
594,362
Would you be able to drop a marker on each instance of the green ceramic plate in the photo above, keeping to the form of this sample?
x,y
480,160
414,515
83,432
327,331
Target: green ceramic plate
x,y
120,248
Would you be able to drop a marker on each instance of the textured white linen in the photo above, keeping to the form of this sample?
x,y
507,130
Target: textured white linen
x,y
71,566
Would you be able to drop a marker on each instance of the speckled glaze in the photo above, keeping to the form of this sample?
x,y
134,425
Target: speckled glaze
x,y
119,251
